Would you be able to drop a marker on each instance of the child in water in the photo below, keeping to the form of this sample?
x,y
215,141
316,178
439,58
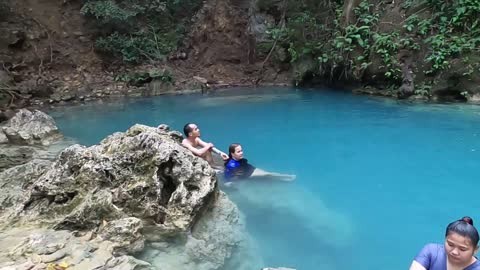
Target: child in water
x,y
236,167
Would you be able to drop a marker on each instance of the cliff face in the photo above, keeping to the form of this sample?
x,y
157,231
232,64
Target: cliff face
x,y
404,48
50,52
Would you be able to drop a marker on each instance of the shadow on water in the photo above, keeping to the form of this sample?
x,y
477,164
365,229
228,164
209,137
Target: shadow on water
x,y
284,220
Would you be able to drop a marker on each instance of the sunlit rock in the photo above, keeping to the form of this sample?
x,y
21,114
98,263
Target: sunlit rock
x,y
31,128
109,200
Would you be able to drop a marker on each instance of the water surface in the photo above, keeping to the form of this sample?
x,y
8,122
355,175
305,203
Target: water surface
x,y
376,178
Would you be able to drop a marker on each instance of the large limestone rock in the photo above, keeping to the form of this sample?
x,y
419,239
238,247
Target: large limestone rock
x,y
142,173
30,128
108,201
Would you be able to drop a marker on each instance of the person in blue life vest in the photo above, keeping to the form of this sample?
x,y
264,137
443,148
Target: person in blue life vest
x,y
197,146
237,167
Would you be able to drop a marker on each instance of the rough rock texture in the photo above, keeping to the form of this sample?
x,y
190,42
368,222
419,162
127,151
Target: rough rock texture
x,y
44,247
31,128
142,173
13,155
14,180
107,200
213,239
125,233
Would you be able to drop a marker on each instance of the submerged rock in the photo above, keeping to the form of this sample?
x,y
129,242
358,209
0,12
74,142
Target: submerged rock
x,y
217,234
31,128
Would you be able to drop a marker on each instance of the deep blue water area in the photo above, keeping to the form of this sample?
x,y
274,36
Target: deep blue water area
x,y
376,178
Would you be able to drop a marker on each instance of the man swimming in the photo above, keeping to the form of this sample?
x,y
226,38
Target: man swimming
x,y
197,146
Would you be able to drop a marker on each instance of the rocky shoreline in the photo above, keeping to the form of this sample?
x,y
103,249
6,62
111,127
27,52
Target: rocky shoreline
x,y
137,200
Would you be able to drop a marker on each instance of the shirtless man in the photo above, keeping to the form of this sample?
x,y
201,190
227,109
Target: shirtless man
x,y
198,147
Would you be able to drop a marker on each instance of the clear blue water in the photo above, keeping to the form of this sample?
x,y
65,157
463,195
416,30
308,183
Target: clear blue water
x,y
376,178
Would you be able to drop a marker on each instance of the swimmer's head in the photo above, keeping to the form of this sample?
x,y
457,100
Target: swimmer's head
x,y
235,151
190,128
465,228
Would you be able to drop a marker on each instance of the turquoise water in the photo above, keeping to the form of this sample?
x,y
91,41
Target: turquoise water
x,y
376,178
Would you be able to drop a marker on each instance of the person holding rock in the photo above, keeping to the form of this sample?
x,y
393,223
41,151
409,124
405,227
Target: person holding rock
x,y
457,253
237,167
197,146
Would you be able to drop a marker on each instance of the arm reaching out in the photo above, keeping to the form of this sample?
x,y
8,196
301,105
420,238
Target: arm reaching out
x,y
222,154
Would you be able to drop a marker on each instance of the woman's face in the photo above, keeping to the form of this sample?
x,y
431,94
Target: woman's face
x,y
459,249
238,153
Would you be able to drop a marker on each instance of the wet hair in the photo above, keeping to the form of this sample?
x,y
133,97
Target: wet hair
x,y
187,129
231,149
465,228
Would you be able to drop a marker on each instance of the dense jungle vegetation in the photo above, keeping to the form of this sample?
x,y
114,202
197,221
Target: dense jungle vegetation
x,y
142,29
345,46
419,47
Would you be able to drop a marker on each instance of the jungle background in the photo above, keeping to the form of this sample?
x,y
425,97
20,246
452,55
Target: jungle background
x,y
58,51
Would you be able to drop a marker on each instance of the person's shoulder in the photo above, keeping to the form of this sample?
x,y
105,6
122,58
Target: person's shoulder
x,y
433,248
231,163
474,266
186,142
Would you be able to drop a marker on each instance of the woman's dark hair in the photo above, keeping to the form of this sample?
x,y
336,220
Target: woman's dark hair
x,y
464,227
187,129
231,149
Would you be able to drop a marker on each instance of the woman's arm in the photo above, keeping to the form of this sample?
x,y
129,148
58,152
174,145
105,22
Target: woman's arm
x,y
416,266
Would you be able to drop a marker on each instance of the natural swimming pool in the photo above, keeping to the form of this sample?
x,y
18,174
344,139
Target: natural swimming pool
x,y
376,178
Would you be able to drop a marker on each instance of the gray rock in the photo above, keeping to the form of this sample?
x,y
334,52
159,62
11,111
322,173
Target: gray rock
x,y
3,138
142,173
5,78
137,185
31,128
219,232
39,247
126,235
13,181
11,156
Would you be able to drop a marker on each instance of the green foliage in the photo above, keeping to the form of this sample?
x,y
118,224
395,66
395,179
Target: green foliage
x,y
452,30
407,4
445,30
386,45
138,30
109,11
152,45
423,89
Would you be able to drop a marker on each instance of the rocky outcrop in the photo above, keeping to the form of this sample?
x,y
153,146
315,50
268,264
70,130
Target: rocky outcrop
x,y
143,173
211,243
134,190
49,249
30,128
